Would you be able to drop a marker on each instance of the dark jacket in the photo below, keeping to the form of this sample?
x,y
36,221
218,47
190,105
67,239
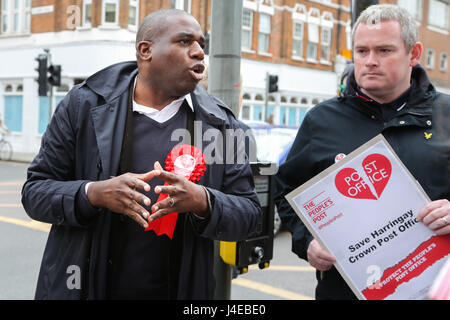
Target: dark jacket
x,y
83,143
342,124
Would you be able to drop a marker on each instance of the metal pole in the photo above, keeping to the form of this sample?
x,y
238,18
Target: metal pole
x,y
225,52
50,102
266,99
223,82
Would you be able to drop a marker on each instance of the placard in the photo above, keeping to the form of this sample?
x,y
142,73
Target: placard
x,y
363,210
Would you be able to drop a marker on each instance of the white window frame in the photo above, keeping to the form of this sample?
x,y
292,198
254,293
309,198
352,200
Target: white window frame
x,y
27,18
13,93
248,29
83,22
264,34
313,42
9,13
181,5
326,45
5,17
135,26
116,18
246,107
15,12
313,37
432,16
298,38
430,58
443,61
414,7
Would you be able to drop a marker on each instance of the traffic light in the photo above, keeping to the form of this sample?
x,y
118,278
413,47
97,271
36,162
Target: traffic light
x,y
42,77
273,83
55,75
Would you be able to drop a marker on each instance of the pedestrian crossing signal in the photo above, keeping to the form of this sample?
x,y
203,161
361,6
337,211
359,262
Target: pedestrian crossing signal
x,y
55,75
42,75
273,83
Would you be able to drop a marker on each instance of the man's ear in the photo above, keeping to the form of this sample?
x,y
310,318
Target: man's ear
x,y
416,53
144,50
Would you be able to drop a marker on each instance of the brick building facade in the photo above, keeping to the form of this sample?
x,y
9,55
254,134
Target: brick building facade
x,y
433,17
304,42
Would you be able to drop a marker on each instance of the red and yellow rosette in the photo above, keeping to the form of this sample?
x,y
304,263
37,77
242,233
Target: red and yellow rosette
x,y
189,162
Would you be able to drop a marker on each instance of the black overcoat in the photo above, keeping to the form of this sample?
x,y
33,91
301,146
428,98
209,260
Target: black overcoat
x,y
342,124
83,143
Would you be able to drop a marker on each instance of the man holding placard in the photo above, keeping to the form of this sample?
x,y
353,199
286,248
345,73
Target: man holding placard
x,y
388,93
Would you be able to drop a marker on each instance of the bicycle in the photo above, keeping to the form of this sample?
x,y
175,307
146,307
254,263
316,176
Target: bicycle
x,y
6,149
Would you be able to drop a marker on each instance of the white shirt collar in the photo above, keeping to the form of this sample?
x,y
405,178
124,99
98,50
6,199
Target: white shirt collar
x,y
165,113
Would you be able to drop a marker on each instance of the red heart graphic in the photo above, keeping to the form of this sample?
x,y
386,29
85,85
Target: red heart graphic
x,y
352,185
378,168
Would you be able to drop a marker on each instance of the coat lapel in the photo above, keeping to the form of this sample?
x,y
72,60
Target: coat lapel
x,y
109,124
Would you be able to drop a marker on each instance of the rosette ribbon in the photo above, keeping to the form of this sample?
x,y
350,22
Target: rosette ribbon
x,y
187,161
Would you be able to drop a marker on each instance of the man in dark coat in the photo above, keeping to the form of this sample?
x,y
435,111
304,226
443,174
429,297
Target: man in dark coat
x,y
388,92
99,174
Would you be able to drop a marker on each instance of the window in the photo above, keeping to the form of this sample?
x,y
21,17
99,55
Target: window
x,y
245,113
283,116
438,14
87,13
44,114
27,18
297,43
326,44
247,25
292,121
414,7
133,16
302,115
313,40
15,16
13,107
5,16
257,113
443,64
181,4
110,12
264,33
429,59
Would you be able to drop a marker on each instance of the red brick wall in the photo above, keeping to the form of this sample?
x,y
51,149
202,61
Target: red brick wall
x,y
281,28
281,37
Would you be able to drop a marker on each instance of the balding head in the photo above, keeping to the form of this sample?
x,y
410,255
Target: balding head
x,y
154,23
